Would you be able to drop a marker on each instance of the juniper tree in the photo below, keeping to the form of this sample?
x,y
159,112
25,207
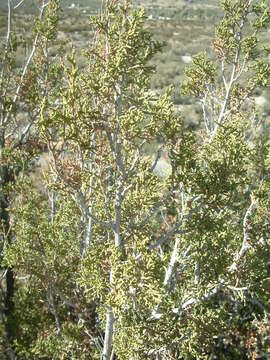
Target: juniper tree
x,y
138,266
107,116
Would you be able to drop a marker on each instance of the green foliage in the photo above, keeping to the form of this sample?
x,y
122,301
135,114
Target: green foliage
x,y
116,260
47,27
201,76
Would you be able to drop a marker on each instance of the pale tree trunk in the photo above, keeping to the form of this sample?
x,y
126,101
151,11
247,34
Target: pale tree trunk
x,y
116,148
107,349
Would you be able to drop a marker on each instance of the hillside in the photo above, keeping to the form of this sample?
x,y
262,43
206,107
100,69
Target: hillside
x,y
167,8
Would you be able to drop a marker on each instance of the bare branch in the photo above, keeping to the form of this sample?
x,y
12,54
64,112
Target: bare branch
x,y
234,76
245,245
19,4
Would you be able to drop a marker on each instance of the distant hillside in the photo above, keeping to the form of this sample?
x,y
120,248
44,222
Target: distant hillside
x,y
166,8
30,6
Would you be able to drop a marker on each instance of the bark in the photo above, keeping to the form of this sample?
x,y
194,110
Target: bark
x,y
107,349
